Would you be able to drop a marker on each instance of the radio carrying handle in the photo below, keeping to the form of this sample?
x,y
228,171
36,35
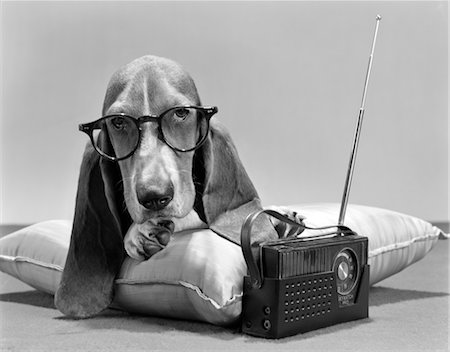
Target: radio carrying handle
x,y
254,272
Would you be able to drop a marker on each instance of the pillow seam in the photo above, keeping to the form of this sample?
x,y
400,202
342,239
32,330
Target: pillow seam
x,y
196,289
20,259
202,295
401,245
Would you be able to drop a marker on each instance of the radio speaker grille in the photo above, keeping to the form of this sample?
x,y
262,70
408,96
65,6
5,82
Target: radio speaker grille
x,y
306,299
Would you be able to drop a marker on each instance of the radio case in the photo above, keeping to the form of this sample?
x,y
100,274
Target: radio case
x,y
306,285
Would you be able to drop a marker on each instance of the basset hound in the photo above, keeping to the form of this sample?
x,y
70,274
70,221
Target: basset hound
x,y
157,162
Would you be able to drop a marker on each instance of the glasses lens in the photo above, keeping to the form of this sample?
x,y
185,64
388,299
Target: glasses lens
x,y
184,128
123,136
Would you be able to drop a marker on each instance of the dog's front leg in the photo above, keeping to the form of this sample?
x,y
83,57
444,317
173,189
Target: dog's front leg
x,y
144,240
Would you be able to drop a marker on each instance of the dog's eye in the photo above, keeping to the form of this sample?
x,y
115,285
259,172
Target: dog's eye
x,y
182,113
118,122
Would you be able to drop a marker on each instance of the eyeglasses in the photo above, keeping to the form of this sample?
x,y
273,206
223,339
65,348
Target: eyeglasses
x,y
182,128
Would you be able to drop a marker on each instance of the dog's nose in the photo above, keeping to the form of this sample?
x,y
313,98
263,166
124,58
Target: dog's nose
x,y
155,198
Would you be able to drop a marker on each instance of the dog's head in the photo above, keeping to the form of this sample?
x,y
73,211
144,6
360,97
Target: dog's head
x,y
156,180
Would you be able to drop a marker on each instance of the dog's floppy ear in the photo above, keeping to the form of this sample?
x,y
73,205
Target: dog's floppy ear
x,y
96,248
225,193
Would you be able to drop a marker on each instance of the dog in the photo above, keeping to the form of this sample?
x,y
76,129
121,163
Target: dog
x,y
138,184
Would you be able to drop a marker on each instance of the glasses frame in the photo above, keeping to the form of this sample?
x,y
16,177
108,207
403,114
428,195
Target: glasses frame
x,y
89,128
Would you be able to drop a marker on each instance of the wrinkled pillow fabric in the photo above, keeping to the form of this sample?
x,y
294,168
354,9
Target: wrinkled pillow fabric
x,y
36,254
199,274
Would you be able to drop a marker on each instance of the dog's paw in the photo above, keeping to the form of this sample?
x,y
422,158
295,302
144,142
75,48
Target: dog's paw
x,y
283,229
144,240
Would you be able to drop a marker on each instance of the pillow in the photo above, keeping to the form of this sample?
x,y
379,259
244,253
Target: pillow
x,y
199,274
36,254
191,279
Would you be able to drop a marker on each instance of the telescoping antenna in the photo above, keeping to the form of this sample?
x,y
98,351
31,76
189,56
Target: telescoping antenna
x,y
351,164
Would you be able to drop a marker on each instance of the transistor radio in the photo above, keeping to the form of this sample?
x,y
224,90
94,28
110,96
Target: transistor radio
x,y
303,284
306,283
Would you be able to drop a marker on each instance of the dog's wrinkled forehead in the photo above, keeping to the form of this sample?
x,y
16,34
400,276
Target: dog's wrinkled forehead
x,y
149,85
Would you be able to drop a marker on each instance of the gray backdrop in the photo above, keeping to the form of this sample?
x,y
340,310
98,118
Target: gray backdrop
x,y
287,78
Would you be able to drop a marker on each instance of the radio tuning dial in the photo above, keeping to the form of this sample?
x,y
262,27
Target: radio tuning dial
x,y
346,271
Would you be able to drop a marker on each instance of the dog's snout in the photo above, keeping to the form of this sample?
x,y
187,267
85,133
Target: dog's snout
x,y
155,198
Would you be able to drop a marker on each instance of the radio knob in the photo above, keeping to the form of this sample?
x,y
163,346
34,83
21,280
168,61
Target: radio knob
x,y
343,271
